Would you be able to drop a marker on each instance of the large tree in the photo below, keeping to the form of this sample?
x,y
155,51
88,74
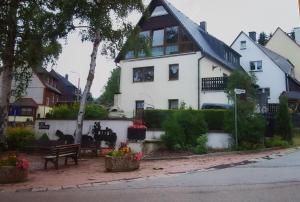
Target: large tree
x,y
112,87
29,33
105,24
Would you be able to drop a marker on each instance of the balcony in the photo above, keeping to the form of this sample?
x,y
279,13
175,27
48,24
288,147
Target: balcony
x,y
214,83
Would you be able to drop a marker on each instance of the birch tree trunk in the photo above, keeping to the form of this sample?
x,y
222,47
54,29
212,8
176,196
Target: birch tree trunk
x,y
89,82
8,65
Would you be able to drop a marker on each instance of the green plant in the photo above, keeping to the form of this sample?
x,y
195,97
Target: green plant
x,y
183,128
44,137
93,111
284,120
215,118
18,138
201,147
276,141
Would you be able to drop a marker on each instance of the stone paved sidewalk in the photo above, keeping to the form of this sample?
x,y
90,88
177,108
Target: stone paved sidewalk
x,y
90,172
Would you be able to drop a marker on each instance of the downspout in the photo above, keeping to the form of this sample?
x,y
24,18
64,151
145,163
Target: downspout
x,y
287,83
199,80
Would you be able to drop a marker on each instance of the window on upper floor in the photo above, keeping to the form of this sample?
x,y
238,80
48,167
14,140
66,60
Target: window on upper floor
x,y
173,72
243,45
256,65
143,74
26,111
173,103
159,11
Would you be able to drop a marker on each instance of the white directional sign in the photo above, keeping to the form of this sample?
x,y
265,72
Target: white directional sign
x,y
239,91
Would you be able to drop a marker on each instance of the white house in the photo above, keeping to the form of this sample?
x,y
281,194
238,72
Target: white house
x,y
274,73
186,64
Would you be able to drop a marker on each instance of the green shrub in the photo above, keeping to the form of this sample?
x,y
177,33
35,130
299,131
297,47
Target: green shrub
x,y
284,120
213,118
183,128
44,137
201,147
276,141
18,138
92,111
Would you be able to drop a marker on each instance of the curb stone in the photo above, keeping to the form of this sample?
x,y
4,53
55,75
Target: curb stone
x,y
54,188
24,190
69,187
41,189
84,186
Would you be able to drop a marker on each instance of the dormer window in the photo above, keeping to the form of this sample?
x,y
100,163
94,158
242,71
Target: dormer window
x,y
159,11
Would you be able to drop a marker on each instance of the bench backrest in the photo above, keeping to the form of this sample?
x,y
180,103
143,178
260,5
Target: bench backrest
x,y
65,149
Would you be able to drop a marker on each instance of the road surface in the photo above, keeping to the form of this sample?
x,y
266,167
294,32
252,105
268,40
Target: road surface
x,y
276,180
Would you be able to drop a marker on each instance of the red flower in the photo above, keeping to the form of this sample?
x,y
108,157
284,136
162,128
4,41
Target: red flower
x,y
22,164
138,156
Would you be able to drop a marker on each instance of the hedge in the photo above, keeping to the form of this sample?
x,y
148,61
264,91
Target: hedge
x,y
92,111
213,117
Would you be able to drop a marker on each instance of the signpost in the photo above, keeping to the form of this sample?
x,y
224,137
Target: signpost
x,y
236,92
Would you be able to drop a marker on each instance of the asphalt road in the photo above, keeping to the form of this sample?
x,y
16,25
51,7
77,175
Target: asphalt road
x,y
269,180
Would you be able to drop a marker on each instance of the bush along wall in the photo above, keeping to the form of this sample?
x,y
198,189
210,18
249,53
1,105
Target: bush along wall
x,y
92,111
214,118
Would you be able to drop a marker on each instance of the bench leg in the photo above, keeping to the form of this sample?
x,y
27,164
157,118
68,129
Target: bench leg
x,y
46,163
56,164
66,160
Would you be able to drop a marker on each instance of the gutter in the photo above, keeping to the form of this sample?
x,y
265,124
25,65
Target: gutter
x,y
199,80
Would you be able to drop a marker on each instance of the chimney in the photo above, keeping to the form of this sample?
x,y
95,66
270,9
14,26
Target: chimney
x,y
297,35
252,35
67,76
203,25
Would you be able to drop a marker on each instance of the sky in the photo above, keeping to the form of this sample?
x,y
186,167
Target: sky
x,y
225,20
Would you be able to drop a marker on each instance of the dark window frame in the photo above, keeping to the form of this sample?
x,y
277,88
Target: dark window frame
x,y
257,68
170,103
175,78
143,71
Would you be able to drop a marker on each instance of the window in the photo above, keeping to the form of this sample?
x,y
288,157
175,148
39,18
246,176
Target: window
x,y
159,11
158,37
256,65
139,108
172,49
265,91
173,104
171,35
26,111
157,51
129,55
243,45
173,72
143,74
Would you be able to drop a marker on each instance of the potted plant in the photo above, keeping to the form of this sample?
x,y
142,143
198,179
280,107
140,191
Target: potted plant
x,y
122,160
13,169
137,132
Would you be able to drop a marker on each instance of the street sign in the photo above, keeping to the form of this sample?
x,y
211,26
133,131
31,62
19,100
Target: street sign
x,y
239,91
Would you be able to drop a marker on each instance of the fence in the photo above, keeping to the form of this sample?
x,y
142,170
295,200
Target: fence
x,y
214,83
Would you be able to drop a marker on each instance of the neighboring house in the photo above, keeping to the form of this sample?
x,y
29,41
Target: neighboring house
x,y
42,90
23,110
274,73
187,64
287,46
69,92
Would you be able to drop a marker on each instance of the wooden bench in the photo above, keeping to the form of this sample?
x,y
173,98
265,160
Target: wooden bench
x,y
62,151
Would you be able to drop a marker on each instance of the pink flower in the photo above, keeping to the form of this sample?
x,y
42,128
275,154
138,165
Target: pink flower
x,y
138,156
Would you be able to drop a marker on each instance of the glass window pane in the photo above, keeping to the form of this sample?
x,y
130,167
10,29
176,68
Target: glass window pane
x,y
172,49
158,38
159,11
172,35
137,75
173,104
252,66
149,74
129,55
173,72
157,51
145,34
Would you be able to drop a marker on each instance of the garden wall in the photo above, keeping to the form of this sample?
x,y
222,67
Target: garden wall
x,y
68,127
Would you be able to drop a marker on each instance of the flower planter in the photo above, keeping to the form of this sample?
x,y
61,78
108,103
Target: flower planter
x,y
121,164
11,174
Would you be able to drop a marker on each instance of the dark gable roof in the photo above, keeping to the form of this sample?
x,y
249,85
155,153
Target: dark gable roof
x,y
65,81
209,45
42,73
26,102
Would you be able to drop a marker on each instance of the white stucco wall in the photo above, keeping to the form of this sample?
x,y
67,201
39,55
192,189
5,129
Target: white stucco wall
x,y
68,127
35,90
157,93
271,75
